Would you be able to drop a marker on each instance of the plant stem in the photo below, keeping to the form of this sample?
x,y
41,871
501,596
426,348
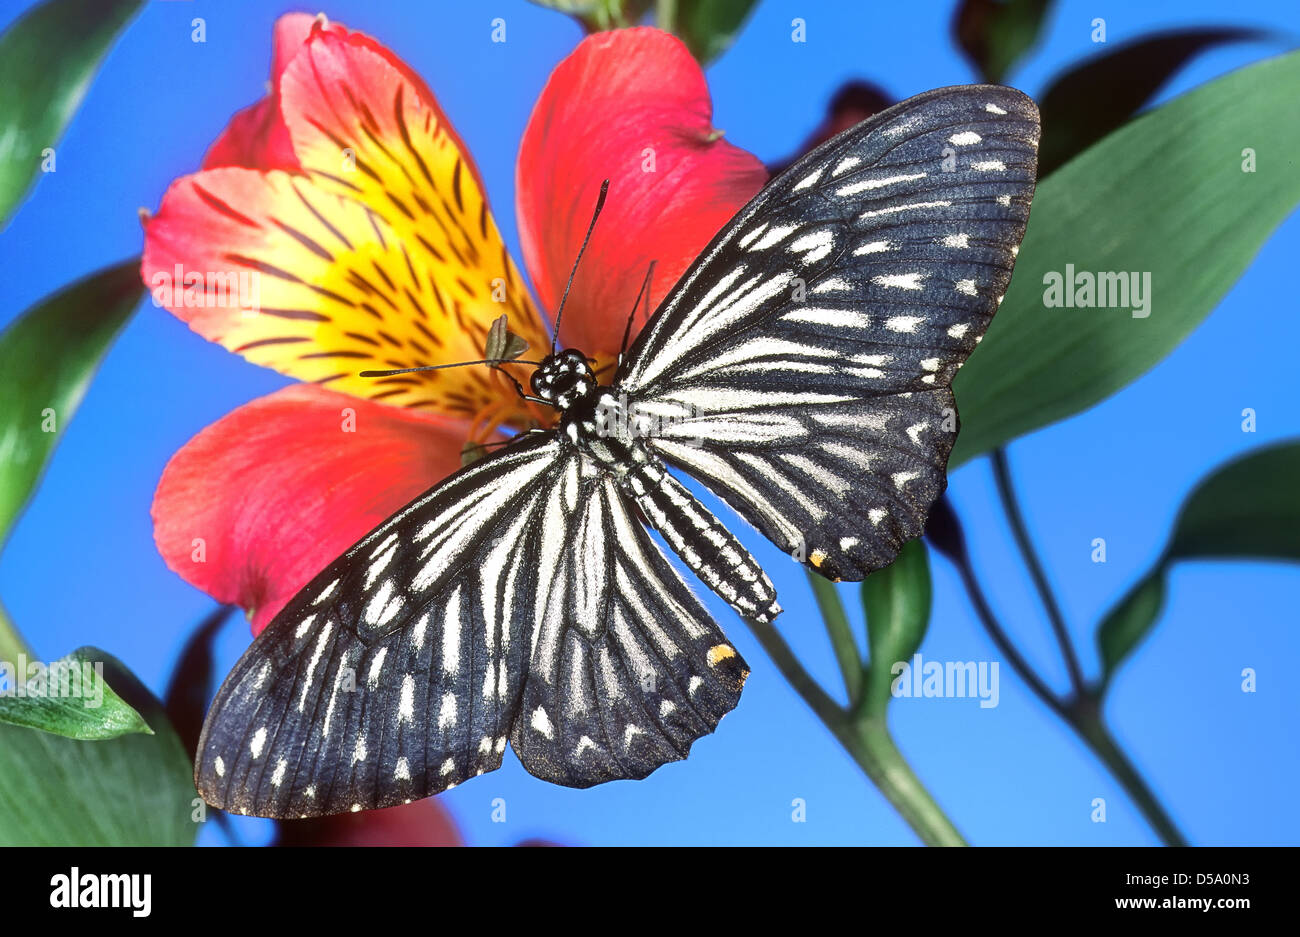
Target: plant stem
x,y
1008,650
821,704
11,642
1002,476
872,747
847,652
869,742
1082,712
1085,716
666,15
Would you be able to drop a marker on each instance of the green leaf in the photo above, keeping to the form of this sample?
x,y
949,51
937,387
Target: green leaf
x,y
993,34
70,698
47,358
1129,622
1164,195
1249,508
136,790
708,27
597,15
897,603
1088,101
47,60
1246,509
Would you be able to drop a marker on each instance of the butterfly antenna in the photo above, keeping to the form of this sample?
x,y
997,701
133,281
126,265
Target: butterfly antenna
x,y
600,203
494,362
455,364
644,291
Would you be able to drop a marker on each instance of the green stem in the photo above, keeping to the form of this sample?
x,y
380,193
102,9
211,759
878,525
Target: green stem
x,y
847,652
869,742
1002,476
873,748
11,642
666,15
1081,712
1086,718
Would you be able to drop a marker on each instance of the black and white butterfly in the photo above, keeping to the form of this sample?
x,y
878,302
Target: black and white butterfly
x,y
799,369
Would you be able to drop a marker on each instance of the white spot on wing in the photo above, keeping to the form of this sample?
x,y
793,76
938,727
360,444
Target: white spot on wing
x,y
406,706
818,245
865,185
542,723
810,179
967,287
845,165
895,209
965,138
901,281
774,236
903,323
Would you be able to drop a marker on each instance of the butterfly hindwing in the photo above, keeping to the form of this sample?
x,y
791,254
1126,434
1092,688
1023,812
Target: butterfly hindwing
x,y
801,367
628,667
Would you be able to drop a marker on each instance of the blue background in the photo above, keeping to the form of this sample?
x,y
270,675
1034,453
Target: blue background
x,y
82,568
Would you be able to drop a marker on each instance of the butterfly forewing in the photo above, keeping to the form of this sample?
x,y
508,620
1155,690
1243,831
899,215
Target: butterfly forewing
x,y
394,673
801,366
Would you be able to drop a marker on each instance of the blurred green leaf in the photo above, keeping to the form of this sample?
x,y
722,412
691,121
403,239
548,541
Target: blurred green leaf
x,y
47,358
708,27
897,603
48,58
1248,508
1088,101
136,790
192,682
69,698
993,34
1166,195
1128,623
597,15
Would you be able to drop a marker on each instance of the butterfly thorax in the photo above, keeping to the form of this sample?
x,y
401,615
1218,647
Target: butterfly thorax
x,y
595,419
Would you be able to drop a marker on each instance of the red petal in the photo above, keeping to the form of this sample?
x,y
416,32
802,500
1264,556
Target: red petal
x,y
260,501
423,823
256,137
621,100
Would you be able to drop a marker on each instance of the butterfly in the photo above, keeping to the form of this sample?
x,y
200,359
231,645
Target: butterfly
x,y
799,369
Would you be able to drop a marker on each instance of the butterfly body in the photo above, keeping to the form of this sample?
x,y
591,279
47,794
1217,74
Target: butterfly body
x,y
800,370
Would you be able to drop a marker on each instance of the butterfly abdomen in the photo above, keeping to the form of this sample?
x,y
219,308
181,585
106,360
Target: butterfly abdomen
x,y
701,540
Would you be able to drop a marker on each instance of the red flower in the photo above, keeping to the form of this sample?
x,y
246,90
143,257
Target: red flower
x,y
423,823
339,225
